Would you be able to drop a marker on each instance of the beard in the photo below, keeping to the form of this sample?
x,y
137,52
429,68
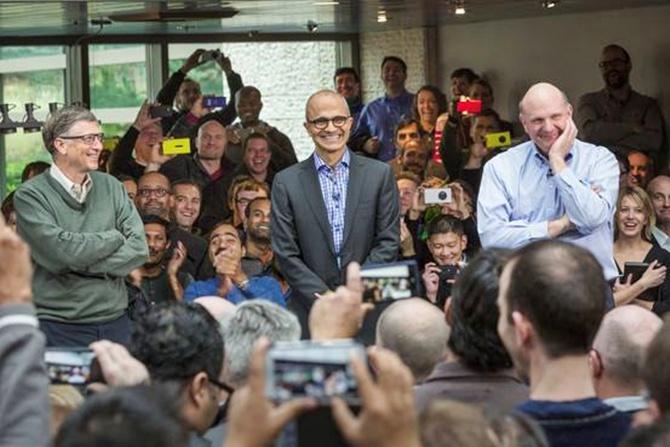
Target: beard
x,y
617,80
259,236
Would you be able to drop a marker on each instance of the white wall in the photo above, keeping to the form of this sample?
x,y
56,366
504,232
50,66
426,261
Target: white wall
x,y
562,49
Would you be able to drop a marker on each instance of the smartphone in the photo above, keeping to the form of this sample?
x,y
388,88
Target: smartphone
x,y
498,139
176,146
213,102
636,269
208,55
467,105
447,275
437,195
71,366
389,282
319,370
160,111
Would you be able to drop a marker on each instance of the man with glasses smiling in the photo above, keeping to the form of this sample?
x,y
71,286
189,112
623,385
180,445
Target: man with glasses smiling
x,y
331,209
84,233
618,117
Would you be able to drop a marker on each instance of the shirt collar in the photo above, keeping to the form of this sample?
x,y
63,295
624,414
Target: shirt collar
x,y
543,159
78,192
344,161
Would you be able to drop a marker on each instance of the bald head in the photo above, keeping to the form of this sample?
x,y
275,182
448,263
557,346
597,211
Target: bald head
x,y
417,331
659,192
153,195
540,94
329,96
621,342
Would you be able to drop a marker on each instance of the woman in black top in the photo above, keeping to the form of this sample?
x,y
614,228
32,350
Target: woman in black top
x,y
634,220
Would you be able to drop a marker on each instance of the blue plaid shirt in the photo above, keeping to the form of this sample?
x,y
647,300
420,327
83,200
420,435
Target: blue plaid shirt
x,y
333,183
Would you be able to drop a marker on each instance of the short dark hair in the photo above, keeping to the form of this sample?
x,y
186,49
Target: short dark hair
x,y
474,335
247,210
439,97
154,219
466,73
561,289
255,135
187,182
32,169
408,175
177,341
489,113
406,121
445,224
656,368
132,416
347,70
614,46
395,59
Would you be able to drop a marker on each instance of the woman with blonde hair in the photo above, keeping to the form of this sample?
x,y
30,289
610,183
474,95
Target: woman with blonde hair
x,y
633,222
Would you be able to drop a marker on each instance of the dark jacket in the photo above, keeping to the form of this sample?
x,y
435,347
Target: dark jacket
x,y
452,380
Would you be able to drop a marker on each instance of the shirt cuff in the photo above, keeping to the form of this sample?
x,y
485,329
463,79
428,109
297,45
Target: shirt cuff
x,y
538,230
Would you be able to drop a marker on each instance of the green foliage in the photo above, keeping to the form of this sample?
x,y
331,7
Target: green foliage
x,y
209,75
118,85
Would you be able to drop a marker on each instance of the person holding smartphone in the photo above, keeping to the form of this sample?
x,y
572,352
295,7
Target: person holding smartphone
x,y
446,242
632,243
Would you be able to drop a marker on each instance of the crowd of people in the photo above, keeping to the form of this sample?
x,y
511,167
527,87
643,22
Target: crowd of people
x,y
537,310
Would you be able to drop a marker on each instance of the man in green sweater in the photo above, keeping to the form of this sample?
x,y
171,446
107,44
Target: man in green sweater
x,y
84,233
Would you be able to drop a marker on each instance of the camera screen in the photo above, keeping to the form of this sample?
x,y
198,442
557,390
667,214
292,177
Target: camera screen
x,y
312,369
388,282
68,366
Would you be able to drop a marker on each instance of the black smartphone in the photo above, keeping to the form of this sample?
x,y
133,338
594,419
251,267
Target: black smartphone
x,y
447,275
70,366
636,269
319,370
392,281
160,111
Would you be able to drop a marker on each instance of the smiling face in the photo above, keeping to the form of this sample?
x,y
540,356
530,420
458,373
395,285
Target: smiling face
x,y
257,155
393,75
544,114
185,205
258,222
631,217
328,106
447,248
347,86
225,239
157,242
75,155
414,157
248,105
211,141
659,189
638,174
426,104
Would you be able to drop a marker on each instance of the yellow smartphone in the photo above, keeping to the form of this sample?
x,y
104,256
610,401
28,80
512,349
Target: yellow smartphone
x,y
498,139
176,146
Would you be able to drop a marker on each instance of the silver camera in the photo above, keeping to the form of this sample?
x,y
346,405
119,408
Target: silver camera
x,y
437,195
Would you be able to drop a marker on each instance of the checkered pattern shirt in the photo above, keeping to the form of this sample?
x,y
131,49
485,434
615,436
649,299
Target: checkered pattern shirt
x,y
333,183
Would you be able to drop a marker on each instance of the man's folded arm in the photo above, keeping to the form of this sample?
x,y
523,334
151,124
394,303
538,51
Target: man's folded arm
x,y
55,248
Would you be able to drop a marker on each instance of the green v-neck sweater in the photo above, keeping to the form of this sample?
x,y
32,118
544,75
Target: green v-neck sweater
x,y
81,251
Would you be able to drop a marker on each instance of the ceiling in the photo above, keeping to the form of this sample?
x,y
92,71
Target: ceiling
x,y
257,17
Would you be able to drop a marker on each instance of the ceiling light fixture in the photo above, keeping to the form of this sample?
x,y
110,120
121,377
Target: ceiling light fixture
x,y
548,4
381,18
460,8
326,3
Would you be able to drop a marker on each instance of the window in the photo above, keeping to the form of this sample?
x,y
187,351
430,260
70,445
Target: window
x,y
286,73
118,80
28,75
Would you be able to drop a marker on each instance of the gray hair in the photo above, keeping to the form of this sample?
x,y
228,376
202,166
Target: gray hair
x,y
417,331
252,320
60,123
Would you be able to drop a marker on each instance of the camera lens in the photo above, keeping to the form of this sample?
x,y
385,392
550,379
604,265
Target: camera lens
x,y
501,139
442,195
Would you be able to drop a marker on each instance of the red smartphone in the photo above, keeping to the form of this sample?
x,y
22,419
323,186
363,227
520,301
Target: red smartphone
x,y
468,105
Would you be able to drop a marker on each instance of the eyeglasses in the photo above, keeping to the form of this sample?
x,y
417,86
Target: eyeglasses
x,y
147,192
322,123
89,138
222,386
613,63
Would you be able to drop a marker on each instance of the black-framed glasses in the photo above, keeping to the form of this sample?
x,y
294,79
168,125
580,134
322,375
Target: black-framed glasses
x,y
89,138
322,123
220,385
147,192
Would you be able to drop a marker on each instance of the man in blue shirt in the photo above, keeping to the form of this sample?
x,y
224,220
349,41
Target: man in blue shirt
x,y
553,186
377,122
552,300
226,251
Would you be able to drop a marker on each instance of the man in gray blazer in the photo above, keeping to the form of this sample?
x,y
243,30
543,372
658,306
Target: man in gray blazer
x,y
331,209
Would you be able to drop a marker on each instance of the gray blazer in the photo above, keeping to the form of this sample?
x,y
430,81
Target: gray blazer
x,y
301,236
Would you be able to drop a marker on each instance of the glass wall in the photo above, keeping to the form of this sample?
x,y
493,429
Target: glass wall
x,y
118,81
286,73
28,75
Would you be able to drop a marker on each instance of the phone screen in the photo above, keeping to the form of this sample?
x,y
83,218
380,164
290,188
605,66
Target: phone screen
x,y
312,369
69,366
393,281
